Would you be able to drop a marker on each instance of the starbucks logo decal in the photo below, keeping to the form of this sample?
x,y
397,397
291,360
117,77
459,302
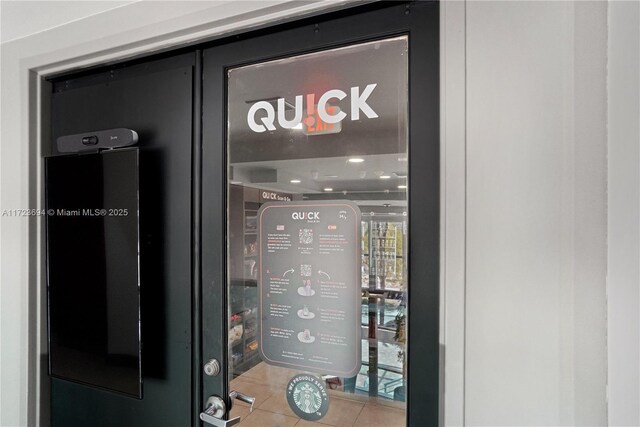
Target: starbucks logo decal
x,y
307,397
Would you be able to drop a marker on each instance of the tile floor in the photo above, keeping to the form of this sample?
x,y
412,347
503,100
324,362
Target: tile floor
x,y
267,384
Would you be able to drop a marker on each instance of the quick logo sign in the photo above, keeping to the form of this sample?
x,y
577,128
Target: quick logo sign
x,y
326,113
306,216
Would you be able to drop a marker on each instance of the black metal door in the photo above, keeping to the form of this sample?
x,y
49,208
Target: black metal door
x,y
154,98
258,154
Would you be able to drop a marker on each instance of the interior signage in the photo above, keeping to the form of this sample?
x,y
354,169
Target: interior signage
x,y
274,196
326,113
309,286
308,397
308,216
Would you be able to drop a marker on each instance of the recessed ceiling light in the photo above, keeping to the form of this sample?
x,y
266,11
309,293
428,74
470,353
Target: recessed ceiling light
x,y
331,176
295,181
328,189
385,176
402,187
356,160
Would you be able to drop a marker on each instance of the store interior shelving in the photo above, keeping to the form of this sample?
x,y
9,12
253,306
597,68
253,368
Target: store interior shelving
x,y
243,291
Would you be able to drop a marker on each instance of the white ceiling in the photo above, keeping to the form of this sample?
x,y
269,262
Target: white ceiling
x,y
335,172
20,18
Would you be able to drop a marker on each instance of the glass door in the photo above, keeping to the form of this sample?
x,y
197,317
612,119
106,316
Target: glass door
x,y
316,236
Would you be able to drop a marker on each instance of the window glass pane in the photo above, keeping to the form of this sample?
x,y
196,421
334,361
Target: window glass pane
x,y
317,234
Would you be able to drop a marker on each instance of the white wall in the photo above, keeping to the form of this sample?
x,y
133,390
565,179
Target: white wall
x,y
536,213
20,19
453,209
624,213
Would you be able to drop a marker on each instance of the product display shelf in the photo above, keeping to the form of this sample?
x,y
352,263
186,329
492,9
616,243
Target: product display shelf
x,y
244,351
243,326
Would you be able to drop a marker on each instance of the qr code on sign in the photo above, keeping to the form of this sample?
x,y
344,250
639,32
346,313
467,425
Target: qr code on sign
x,y
305,270
306,236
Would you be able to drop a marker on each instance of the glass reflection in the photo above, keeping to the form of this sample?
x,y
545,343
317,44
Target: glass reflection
x,y
311,130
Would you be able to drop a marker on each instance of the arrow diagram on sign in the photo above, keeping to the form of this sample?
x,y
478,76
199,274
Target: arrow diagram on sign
x,y
322,272
291,270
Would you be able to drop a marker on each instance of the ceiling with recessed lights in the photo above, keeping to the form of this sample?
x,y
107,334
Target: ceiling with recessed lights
x,y
318,165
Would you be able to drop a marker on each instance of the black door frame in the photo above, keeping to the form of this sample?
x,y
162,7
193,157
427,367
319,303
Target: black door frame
x,y
421,21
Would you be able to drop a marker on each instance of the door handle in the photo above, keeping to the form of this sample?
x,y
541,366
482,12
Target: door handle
x,y
243,398
215,410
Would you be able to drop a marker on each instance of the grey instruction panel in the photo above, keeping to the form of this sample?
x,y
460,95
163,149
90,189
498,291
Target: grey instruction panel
x,y
310,286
